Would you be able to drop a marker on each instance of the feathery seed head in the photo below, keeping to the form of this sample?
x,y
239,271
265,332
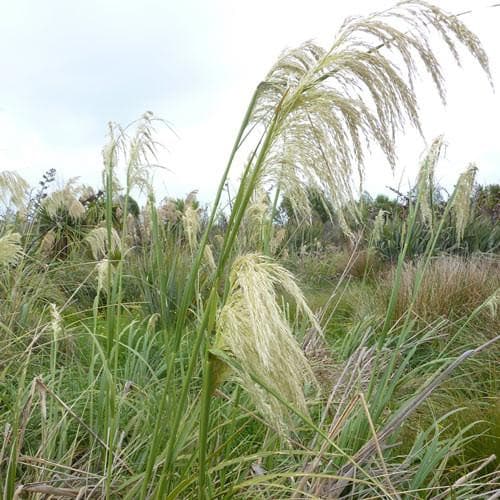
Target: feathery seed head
x,y
13,189
99,245
425,182
208,257
67,199
10,248
48,242
102,268
463,198
252,328
322,108
191,224
378,226
277,240
56,321
168,212
191,199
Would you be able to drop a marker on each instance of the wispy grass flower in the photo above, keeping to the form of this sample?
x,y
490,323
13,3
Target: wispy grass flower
x,y
13,189
462,199
191,224
253,329
10,248
99,245
67,199
425,181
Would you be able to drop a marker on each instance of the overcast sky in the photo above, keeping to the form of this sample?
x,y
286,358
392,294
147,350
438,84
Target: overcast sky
x,y
69,67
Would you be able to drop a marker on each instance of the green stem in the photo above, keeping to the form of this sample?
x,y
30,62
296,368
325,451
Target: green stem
x,y
206,398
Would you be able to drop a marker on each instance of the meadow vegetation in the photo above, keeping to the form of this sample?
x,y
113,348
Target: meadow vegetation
x,y
302,340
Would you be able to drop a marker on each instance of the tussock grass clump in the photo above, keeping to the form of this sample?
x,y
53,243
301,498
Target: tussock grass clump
x,y
452,287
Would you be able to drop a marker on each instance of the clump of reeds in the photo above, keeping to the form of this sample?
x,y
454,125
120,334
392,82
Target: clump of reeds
x,y
452,286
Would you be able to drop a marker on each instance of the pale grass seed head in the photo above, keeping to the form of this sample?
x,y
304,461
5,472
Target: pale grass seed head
x,y
218,241
208,257
56,321
256,215
111,154
378,226
68,199
191,224
168,212
137,151
141,154
97,239
277,240
463,199
425,181
10,248
191,198
492,303
102,268
13,189
252,328
48,242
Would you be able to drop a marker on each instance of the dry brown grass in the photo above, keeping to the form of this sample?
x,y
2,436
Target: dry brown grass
x,y
452,287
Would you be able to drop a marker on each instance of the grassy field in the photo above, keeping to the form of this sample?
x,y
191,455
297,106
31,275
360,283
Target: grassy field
x,y
299,341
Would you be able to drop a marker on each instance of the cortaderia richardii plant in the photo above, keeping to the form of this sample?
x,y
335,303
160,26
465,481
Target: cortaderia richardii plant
x,y
309,124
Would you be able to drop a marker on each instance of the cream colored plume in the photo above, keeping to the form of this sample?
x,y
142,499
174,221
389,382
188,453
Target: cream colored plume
x,y
168,212
378,226
191,224
252,328
67,199
56,321
425,182
256,216
136,151
10,248
102,268
99,245
13,189
208,257
48,242
277,240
